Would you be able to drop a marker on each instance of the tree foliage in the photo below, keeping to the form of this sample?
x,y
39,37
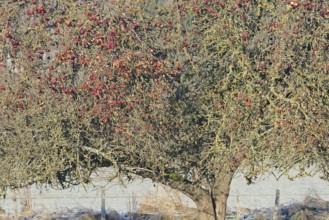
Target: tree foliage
x,y
183,92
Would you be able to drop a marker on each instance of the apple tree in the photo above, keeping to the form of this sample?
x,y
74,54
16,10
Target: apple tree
x,y
186,93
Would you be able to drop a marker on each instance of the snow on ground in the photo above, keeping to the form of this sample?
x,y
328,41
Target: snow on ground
x,y
127,198
261,194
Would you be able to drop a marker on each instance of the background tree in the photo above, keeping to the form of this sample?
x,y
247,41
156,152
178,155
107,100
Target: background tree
x,y
186,92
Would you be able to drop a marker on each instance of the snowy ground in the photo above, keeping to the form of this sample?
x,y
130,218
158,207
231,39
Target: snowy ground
x,y
261,194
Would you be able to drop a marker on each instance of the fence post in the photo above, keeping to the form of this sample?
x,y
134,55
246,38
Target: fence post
x,y
103,211
14,193
26,201
238,207
277,214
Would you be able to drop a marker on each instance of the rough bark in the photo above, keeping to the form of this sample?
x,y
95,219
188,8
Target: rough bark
x,y
212,205
205,208
220,194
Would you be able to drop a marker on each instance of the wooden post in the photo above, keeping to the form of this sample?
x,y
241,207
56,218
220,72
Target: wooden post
x,y
238,207
14,196
103,211
26,201
277,214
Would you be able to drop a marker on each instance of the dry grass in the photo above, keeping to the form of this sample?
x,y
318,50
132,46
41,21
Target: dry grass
x,y
167,202
312,208
4,217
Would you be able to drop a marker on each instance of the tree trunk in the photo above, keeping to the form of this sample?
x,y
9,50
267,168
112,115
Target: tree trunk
x,y
213,205
205,209
220,194
210,199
